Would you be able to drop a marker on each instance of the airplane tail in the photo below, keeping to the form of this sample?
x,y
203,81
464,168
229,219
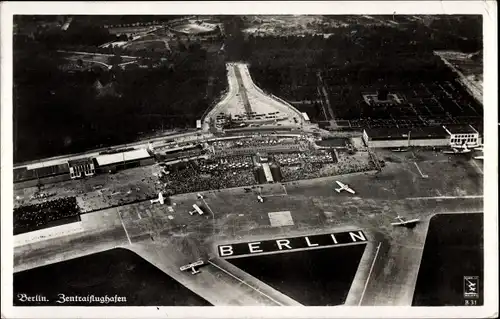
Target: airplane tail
x,y
338,190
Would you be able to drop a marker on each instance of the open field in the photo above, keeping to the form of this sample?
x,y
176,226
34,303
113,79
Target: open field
x,y
423,104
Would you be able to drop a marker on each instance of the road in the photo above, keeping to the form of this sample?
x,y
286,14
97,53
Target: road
x,y
326,99
243,96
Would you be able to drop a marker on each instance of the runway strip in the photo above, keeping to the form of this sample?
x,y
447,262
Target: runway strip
x,y
369,274
477,166
228,273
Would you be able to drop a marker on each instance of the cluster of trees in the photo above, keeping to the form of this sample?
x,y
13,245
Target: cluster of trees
x,y
355,55
57,112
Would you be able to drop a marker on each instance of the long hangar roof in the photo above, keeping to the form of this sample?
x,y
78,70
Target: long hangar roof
x,y
461,129
402,133
122,157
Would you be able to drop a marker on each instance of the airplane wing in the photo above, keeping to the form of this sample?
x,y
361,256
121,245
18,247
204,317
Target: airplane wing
x,y
350,190
406,222
195,264
340,183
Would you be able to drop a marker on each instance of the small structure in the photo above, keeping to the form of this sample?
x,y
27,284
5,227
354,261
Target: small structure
x,y
267,173
306,117
462,134
382,98
81,167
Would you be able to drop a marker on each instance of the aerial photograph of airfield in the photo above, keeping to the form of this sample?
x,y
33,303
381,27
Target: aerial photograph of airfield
x,y
315,160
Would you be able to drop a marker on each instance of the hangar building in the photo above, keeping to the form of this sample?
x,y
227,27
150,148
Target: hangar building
x,y
399,137
452,135
123,160
29,176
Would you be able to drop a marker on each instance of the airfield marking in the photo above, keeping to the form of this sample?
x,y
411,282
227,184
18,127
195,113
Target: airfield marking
x,y
285,193
243,282
477,166
369,274
211,212
421,174
124,228
446,197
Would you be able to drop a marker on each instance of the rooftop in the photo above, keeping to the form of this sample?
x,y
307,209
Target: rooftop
x,y
80,161
395,133
122,157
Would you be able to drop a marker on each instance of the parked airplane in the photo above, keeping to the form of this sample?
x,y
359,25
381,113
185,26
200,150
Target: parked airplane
x,y
192,267
344,187
405,223
196,209
159,199
260,199
199,196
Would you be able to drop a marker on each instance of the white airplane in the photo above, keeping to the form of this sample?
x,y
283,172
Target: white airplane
x,y
479,157
192,267
196,209
158,200
199,196
405,223
260,199
344,187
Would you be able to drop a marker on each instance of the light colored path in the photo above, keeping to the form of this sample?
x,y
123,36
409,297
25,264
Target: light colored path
x,y
244,96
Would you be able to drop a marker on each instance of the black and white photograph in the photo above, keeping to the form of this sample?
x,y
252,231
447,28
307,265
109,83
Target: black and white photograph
x,y
168,156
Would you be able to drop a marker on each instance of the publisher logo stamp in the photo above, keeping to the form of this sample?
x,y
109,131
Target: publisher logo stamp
x,y
471,286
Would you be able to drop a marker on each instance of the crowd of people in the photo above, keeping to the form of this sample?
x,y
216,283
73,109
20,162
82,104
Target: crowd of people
x,y
227,163
236,171
289,159
191,179
254,142
32,217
